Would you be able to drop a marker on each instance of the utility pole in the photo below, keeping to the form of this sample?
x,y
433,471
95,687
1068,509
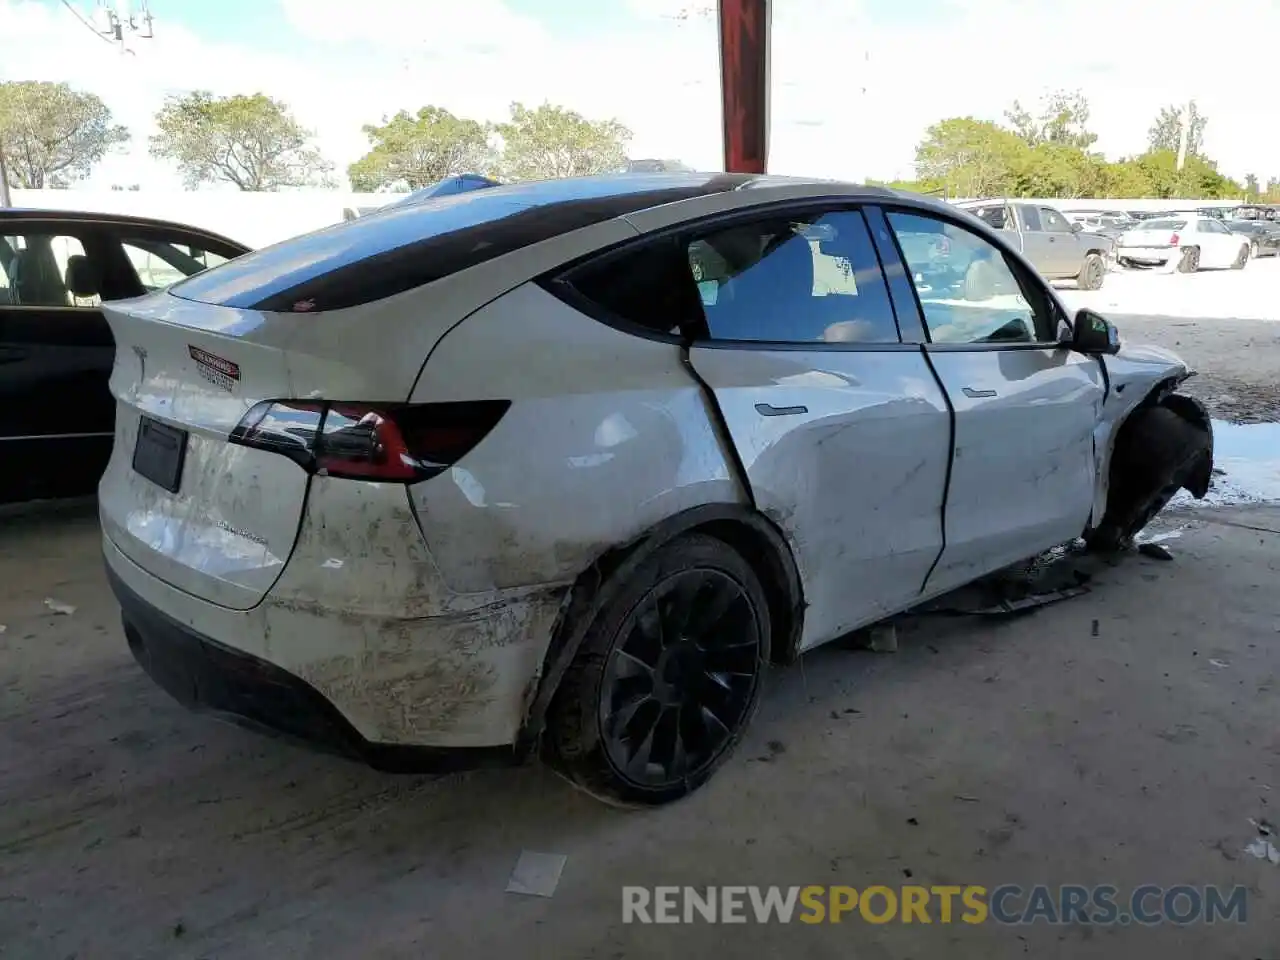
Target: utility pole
x,y
745,26
1184,137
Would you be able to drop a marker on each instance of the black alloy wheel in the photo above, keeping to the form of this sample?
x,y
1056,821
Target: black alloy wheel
x,y
666,677
681,679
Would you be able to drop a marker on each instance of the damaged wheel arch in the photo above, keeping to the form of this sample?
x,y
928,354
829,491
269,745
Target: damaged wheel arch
x,y
750,533
1163,445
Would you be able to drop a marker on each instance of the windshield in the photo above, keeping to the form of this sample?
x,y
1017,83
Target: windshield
x,y
1164,225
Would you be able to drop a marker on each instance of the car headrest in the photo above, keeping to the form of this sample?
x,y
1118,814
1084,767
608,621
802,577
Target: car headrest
x,y
83,278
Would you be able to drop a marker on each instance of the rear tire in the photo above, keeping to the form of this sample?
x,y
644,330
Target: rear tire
x,y
1156,452
667,678
1241,258
1092,273
1190,260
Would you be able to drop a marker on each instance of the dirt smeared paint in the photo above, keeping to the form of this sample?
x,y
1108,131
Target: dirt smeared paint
x,y
363,614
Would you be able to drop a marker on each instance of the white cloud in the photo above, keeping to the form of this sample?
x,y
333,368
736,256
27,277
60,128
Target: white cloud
x,y
852,92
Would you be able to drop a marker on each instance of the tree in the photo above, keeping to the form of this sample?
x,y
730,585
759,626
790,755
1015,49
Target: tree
x,y
411,151
52,135
1054,169
1252,189
250,141
969,158
551,141
1166,131
1063,119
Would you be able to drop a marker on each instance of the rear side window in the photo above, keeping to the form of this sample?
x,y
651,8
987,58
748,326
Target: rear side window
x,y
648,287
812,278
47,269
793,280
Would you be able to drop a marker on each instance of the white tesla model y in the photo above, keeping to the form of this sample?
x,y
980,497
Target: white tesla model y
x,y
559,468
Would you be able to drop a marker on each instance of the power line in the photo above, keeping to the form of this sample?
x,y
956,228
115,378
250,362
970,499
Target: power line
x,y
89,26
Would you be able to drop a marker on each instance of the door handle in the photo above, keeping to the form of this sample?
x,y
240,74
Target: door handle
x,y
769,410
977,394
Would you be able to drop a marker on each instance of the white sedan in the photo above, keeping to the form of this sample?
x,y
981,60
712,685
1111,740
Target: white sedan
x,y
559,468
1185,242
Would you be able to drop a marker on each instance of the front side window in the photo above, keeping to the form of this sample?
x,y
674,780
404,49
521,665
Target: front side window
x,y
793,279
160,262
1030,218
969,292
43,269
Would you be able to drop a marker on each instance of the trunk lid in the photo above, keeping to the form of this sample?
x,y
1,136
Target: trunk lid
x,y
213,518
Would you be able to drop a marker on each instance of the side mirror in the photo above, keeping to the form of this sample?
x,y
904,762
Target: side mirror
x,y
1077,227
1093,333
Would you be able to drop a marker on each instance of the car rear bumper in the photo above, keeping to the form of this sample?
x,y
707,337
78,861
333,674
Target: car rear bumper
x,y
210,677
1148,255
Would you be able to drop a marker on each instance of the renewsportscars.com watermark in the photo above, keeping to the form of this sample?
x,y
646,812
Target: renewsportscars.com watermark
x,y
1007,904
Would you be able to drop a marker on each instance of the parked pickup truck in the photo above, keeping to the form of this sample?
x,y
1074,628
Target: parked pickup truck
x,y
1059,250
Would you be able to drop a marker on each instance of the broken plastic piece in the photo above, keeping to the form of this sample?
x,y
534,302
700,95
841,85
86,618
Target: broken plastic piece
x,y
1156,551
57,606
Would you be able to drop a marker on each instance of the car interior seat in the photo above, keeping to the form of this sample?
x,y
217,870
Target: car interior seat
x,y
84,280
34,279
779,284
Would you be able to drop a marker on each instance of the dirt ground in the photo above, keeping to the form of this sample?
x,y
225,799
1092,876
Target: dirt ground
x,y
1237,361
1127,736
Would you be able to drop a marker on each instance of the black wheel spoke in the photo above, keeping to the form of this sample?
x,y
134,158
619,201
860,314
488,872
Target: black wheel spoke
x,y
617,721
717,606
681,678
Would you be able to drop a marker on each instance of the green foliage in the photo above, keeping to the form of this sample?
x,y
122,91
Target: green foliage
x,y
1063,120
52,135
250,141
550,141
1047,155
969,158
411,151
1166,131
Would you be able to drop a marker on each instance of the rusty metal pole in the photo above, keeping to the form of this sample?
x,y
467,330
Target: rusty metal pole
x,y
745,26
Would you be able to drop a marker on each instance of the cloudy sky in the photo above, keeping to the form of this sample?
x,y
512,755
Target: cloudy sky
x,y
855,81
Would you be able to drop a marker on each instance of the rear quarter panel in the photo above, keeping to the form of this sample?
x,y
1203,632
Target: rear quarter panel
x,y
607,435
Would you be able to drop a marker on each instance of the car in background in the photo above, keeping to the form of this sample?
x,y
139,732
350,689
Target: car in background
x,y
1183,242
1105,223
56,351
1263,236
1059,249
564,467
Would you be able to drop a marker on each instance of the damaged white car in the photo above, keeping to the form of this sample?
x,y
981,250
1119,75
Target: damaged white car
x,y
559,468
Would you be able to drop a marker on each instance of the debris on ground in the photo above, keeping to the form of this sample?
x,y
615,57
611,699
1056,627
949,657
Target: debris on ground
x,y
1055,575
1263,849
536,874
1156,551
1219,663
1095,629
58,607
883,638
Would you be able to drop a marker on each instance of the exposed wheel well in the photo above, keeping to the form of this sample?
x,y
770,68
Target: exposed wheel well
x,y
749,532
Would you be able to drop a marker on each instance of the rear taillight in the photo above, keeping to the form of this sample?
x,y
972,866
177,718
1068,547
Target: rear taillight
x,y
1173,240
399,443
